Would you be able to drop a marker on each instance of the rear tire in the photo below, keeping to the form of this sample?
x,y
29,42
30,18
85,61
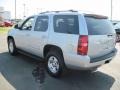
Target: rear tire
x,y
11,47
55,63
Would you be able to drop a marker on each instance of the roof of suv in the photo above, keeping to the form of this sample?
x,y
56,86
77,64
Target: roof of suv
x,y
73,12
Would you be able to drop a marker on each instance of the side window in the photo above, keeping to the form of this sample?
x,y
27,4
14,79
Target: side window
x,y
41,23
66,24
27,25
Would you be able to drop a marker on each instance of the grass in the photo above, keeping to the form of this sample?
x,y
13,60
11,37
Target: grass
x,y
4,30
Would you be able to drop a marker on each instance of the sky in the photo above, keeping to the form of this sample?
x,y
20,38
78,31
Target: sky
x,y
32,7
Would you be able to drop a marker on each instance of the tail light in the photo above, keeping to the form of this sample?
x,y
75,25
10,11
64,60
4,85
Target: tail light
x,y
82,45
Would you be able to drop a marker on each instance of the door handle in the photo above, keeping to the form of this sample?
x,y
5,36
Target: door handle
x,y
110,35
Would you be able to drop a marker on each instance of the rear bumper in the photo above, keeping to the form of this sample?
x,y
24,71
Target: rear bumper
x,y
85,62
107,56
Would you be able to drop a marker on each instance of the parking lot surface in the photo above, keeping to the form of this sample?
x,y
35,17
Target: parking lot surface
x,y
16,74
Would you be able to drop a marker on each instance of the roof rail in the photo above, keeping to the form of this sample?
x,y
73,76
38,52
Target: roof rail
x,y
58,11
44,12
72,10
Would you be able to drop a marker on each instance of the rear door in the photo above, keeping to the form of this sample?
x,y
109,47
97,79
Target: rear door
x,y
39,35
101,36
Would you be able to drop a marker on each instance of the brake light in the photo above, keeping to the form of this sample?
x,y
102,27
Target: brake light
x,y
82,45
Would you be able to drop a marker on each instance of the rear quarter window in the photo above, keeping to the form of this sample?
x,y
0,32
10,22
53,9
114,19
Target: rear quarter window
x,y
67,24
99,26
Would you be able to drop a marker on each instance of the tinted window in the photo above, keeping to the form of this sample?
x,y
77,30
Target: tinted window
x,y
41,23
66,24
98,26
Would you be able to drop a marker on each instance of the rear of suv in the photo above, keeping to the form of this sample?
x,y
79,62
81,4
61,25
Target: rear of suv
x,y
65,39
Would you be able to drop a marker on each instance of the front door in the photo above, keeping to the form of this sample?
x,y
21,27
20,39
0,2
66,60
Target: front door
x,y
23,34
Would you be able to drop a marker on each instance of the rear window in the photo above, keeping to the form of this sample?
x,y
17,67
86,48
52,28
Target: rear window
x,y
98,26
67,24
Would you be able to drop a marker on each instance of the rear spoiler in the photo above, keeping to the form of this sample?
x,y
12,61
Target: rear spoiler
x,y
96,16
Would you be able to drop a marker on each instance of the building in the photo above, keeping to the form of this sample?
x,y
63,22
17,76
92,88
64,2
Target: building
x,y
4,15
1,13
7,15
1,9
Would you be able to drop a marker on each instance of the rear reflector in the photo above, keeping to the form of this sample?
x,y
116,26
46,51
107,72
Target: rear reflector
x,y
82,45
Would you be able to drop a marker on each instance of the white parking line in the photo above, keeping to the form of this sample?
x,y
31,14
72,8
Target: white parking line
x,y
4,84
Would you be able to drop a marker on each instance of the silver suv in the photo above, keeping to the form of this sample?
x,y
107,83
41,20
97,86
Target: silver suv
x,y
65,39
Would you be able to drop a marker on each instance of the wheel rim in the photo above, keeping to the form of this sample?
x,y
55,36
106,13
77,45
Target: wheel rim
x,y
11,47
53,64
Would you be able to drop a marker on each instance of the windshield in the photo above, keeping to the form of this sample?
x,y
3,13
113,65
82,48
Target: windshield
x,y
98,26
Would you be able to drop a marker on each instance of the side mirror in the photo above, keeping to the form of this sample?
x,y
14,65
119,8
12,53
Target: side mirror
x,y
16,26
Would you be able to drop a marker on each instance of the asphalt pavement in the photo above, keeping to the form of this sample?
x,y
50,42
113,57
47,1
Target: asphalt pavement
x,y
17,73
